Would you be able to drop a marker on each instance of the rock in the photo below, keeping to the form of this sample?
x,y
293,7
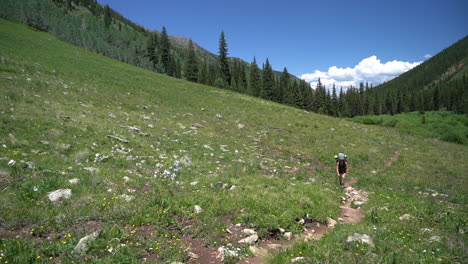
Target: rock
x,y
12,163
274,246
301,221
233,188
197,209
219,116
188,114
281,230
196,126
111,115
193,255
249,240
374,172
298,259
240,126
118,139
435,239
31,165
248,231
125,178
126,197
194,183
224,252
74,181
361,238
92,169
405,217
287,235
83,245
358,203
331,222
59,194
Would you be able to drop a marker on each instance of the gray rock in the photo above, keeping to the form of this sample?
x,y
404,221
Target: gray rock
x,y
358,203
435,239
240,126
74,181
248,231
197,209
118,139
331,222
405,217
83,245
31,165
298,259
287,235
92,169
361,238
193,255
219,116
59,194
233,187
196,126
194,183
249,240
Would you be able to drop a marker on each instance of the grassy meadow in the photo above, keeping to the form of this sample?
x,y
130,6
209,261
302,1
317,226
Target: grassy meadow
x,y
64,111
443,125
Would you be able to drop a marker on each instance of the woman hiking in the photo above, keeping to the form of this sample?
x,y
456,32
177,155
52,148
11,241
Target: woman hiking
x,y
342,168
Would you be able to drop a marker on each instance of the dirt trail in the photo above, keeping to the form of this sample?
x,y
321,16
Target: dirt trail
x,y
351,213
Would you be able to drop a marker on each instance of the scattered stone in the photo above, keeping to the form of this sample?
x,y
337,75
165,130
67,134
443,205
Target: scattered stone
x,y
126,197
74,181
59,194
83,245
219,116
361,238
194,183
196,126
249,240
126,179
287,235
298,259
112,115
31,165
233,188
301,221
92,169
188,114
193,255
248,231
424,230
119,139
224,252
197,209
374,172
281,230
358,203
12,163
274,246
405,217
435,239
44,142
331,222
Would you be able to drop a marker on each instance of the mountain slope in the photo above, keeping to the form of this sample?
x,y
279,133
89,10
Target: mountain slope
x,y
67,114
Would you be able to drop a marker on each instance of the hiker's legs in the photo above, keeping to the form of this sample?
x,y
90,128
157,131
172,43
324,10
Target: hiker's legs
x,y
342,176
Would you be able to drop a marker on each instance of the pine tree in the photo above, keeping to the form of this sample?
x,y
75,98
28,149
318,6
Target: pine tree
x,y
223,65
107,16
165,50
268,82
151,49
283,85
191,65
255,79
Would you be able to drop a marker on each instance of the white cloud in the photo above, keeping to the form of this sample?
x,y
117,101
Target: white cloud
x,y
427,56
368,70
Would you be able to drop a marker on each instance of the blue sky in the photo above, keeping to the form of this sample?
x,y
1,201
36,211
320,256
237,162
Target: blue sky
x,y
309,37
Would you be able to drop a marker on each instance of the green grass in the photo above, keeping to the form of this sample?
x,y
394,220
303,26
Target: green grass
x,y
441,125
55,112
